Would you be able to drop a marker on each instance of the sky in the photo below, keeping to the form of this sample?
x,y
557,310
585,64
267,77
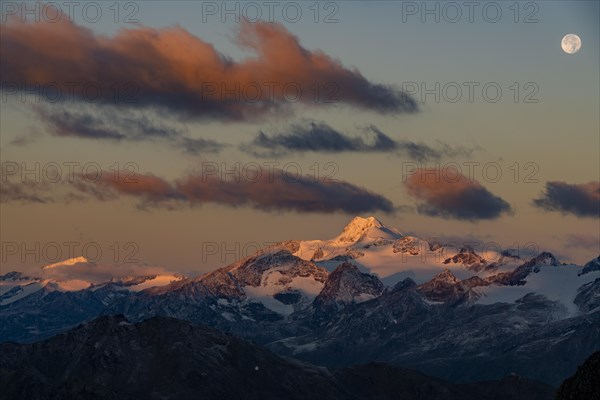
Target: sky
x,y
383,101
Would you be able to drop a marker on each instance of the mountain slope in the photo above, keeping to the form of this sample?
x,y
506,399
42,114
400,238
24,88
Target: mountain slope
x,y
458,343
162,358
155,359
347,285
585,384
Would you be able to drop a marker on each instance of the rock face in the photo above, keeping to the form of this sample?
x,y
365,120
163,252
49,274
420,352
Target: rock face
x,y
407,245
347,285
588,296
585,384
467,257
447,288
518,275
164,358
592,265
14,276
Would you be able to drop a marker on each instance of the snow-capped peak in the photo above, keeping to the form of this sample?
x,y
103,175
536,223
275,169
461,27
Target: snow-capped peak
x,y
360,228
362,221
67,263
356,229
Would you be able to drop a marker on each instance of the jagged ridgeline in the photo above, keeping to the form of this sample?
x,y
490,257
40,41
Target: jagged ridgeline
x,y
368,294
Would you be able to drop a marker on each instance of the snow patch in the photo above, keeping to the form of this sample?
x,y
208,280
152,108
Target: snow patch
x,y
557,283
159,280
22,291
272,283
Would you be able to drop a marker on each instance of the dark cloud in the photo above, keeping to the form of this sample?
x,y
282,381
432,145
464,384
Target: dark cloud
x,y
67,123
320,137
39,191
271,191
148,187
110,124
199,146
582,200
26,192
173,70
459,198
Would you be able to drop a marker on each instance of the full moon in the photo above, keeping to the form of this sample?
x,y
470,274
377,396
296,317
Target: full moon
x,y
571,43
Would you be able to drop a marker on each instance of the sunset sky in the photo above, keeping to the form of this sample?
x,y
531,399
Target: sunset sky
x,y
363,147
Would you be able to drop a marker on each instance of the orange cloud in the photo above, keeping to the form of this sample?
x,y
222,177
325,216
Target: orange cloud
x,y
269,191
172,69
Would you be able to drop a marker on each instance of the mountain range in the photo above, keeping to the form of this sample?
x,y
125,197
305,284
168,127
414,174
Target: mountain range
x,y
370,294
